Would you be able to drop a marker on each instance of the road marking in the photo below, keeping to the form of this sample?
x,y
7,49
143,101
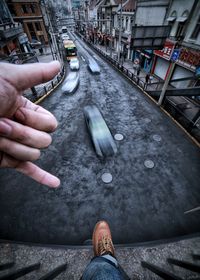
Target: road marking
x,y
82,58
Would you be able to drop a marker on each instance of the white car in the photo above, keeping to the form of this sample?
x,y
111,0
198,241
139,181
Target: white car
x,y
70,83
65,36
74,64
101,136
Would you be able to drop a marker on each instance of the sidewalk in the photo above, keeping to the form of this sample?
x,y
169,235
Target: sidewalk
x,y
131,67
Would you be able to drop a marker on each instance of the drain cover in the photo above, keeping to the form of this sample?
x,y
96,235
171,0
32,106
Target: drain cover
x,y
118,137
147,120
157,137
106,178
149,163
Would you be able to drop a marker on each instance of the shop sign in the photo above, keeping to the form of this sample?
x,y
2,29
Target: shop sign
x,y
175,55
197,72
190,57
167,51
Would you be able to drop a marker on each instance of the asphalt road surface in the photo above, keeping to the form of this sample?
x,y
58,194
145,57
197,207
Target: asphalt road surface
x,y
140,203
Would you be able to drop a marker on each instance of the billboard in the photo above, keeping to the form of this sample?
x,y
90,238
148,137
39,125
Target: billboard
x,y
150,37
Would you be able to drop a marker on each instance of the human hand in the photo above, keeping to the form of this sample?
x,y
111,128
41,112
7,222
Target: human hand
x,y
24,126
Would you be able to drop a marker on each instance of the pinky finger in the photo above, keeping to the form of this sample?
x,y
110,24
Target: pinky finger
x,y
38,174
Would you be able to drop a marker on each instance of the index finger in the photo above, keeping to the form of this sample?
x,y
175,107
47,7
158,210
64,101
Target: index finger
x,y
28,75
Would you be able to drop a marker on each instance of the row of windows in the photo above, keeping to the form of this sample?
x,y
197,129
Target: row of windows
x,y
28,9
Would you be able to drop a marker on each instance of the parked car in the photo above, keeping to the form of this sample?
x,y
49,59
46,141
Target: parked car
x,y
74,64
35,43
101,136
71,82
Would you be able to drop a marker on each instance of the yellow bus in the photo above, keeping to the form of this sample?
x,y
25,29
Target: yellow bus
x,y
70,49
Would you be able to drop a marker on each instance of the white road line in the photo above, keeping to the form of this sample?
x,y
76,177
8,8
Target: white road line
x,y
82,58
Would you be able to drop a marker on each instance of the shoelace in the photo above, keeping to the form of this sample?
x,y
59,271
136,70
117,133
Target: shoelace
x,y
105,245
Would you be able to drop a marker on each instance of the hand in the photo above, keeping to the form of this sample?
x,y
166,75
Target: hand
x,y
24,125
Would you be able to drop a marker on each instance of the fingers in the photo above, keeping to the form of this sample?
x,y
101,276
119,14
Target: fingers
x,y
18,151
36,117
30,170
38,174
24,134
29,75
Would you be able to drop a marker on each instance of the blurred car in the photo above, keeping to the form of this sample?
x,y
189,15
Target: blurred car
x,y
74,64
65,36
93,66
35,43
102,138
70,83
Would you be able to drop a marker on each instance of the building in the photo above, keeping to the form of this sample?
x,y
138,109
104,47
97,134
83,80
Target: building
x,y
127,20
10,33
30,15
183,46
151,13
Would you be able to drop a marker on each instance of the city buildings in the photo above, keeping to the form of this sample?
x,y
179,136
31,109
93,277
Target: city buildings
x,y
183,45
29,14
10,33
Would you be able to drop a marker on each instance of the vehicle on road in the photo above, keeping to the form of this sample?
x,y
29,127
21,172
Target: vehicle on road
x,y
74,64
65,36
70,49
93,66
71,82
101,136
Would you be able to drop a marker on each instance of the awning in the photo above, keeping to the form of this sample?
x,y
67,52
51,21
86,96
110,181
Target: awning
x,y
171,18
181,19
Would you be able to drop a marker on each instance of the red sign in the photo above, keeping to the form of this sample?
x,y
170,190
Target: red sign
x,y
190,57
167,51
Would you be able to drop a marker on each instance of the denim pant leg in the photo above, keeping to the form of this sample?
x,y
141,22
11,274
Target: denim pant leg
x,y
102,269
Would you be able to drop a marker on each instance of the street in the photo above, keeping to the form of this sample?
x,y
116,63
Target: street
x,y
140,203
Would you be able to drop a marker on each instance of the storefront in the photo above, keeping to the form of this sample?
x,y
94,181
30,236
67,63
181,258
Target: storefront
x,y
162,60
145,59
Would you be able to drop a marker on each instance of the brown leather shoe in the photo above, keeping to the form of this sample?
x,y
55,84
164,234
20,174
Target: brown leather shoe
x,y
102,240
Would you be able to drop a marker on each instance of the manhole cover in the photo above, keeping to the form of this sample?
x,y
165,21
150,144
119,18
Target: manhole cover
x,y
118,137
106,178
157,137
149,163
146,120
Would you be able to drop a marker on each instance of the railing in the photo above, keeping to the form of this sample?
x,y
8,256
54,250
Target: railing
x,y
36,94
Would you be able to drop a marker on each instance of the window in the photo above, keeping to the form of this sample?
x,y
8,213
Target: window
x,y
196,30
24,9
179,31
32,8
38,26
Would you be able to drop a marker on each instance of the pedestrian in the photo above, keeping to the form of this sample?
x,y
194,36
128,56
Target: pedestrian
x,y
138,70
147,78
22,122
104,264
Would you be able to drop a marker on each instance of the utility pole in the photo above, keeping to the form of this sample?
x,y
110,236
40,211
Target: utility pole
x,y
120,33
166,83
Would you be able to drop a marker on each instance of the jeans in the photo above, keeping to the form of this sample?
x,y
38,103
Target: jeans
x,y
104,268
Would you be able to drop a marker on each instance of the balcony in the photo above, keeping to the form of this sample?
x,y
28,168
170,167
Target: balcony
x,y
9,30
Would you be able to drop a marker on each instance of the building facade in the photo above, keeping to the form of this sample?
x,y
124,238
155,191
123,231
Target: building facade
x,y
149,13
29,14
10,33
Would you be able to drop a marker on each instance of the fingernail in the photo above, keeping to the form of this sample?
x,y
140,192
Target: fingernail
x,y
19,115
5,129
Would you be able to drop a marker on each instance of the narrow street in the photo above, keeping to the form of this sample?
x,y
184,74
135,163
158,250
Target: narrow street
x,y
140,203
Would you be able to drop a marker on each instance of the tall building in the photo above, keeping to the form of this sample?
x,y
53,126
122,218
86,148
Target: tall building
x,y
10,32
30,15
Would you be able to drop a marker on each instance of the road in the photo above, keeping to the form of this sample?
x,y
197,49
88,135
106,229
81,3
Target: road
x,y
140,203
